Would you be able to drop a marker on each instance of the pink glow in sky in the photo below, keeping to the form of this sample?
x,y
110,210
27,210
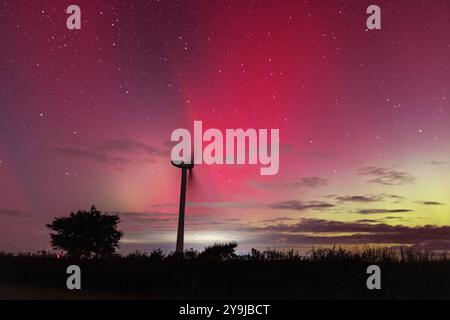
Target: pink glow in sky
x,y
86,118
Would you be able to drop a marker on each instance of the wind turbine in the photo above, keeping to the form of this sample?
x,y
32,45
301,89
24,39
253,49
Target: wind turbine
x,y
180,234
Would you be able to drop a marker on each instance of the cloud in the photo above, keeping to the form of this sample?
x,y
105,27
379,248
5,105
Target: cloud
x,y
265,221
367,221
91,154
395,197
163,205
309,182
378,220
376,211
359,198
114,151
386,176
367,198
437,162
301,206
145,221
329,226
12,213
162,221
320,231
224,205
431,203
145,216
127,146
390,218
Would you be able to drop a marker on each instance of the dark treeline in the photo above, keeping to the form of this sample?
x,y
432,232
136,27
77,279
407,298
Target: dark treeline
x,y
218,272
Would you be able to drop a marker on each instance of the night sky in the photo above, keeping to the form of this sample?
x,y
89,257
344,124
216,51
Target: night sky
x,y
364,117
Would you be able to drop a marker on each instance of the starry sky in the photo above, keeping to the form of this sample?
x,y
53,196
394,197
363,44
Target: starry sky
x,y
364,117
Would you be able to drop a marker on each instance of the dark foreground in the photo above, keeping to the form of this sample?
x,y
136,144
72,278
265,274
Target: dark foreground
x,y
326,274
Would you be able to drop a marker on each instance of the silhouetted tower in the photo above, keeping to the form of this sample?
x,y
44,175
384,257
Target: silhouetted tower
x,y
180,234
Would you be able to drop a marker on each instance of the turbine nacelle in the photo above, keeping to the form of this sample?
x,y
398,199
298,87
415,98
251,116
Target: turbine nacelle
x,y
183,165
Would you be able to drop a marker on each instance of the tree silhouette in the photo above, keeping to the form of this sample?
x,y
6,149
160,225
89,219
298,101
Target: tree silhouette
x,y
220,251
86,233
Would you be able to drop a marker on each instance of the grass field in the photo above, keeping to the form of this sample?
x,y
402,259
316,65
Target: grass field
x,y
220,274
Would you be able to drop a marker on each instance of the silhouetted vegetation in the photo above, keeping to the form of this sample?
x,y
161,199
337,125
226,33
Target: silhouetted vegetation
x,y
219,272
220,251
86,233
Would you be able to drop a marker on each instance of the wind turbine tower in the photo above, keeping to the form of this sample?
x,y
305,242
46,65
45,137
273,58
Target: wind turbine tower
x,y
180,234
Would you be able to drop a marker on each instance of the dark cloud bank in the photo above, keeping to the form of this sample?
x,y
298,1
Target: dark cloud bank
x,y
326,232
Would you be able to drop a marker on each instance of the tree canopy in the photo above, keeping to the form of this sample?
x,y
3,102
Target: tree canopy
x,y
86,233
